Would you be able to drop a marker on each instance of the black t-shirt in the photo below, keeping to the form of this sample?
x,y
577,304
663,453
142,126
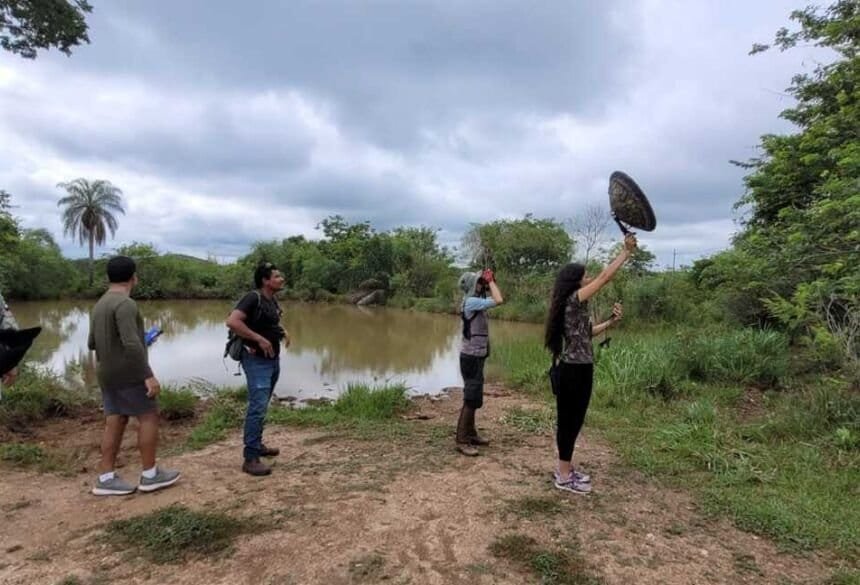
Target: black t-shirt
x,y
269,322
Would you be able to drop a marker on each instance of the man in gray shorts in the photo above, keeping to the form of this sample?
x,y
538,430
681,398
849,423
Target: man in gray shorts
x,y
128,385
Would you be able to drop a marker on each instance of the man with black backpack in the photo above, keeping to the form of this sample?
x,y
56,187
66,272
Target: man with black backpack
x,y
256,336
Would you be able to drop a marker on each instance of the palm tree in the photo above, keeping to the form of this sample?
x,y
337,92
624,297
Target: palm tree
x,y
89,212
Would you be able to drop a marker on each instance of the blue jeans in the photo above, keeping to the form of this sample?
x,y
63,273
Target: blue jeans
x,y
262,375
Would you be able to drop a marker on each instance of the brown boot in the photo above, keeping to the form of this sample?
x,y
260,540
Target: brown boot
x,y
472,431
269,451
464,444
256,467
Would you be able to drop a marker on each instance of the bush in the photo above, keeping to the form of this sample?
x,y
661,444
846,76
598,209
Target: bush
x,y
38,395
176,404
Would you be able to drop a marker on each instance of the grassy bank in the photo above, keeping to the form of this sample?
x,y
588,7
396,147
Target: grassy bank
x,y
719,412
360,409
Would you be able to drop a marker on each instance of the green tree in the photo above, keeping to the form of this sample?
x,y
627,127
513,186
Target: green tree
x,y
518,247
802,202
29,25
88,212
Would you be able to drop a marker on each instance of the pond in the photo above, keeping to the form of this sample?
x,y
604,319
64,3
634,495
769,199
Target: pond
x,y
333,345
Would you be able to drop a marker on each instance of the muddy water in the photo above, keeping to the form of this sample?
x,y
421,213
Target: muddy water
x,y
333,345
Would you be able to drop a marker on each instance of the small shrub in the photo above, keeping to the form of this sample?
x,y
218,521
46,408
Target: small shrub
x,y
177,404
38,395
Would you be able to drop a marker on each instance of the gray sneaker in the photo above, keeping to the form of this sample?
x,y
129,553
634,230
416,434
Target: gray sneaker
x,y
580,477
573,485
163,478
113,487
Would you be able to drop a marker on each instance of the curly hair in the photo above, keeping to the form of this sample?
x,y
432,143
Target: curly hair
x,y
568,281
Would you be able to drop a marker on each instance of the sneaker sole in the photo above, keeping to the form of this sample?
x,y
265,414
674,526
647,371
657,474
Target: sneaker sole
x,y
158,486
105,492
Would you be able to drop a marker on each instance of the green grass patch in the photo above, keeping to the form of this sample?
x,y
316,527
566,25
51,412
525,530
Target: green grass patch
x,y
225,411
844,577
177,403
176,533
367,411
22,454
560,566
521,363
357,406
38,395
670,401
530,420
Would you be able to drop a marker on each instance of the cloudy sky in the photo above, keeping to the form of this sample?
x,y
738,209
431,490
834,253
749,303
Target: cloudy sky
x,y
225,124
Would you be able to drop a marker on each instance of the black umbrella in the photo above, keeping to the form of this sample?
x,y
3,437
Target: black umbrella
x,y
14,343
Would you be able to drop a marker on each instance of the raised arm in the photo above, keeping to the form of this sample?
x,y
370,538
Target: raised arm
x,y
590,289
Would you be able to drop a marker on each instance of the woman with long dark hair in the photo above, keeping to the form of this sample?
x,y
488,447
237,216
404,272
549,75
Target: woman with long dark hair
x,y
568,337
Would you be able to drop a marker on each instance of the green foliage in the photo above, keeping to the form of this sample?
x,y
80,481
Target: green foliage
x,y
26,27
516,248
176,533
22,454
176,404
38,395
360,406
225,411
803,194
34,268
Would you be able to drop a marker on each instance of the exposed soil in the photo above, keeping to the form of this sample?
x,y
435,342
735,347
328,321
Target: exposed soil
x,y
400,509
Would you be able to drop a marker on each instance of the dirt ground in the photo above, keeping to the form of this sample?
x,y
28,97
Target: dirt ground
x,y
398,510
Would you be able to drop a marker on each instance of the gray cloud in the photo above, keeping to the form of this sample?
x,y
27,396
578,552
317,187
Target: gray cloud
x,y
225,125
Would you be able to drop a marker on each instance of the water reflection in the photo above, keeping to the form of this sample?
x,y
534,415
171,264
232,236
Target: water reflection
x,y
332,345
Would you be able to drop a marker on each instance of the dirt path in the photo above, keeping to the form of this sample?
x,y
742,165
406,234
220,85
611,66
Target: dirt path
x,y
401,510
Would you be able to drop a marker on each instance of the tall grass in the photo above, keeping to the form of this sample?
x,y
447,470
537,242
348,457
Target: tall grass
x,y
39,394
670,402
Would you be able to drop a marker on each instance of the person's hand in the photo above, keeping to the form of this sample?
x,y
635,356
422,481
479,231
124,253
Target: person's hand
x,y
617,312
287,339
9,377
266,347
630,243
153,388
488,275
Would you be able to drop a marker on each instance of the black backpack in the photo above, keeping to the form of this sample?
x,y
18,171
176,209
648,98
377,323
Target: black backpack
x,y
235,346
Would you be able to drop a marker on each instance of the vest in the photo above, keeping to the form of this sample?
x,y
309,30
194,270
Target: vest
x,y
476,334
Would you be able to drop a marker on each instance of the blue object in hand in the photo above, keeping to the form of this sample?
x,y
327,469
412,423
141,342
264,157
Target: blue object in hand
x,y
150,336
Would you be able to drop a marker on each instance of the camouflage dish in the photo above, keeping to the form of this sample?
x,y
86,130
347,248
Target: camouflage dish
x,y
629,204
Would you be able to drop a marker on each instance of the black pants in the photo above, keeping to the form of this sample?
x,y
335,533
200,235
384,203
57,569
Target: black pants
x,y
571,405
472,370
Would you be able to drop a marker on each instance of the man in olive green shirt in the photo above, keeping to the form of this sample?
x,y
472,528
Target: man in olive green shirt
x,y
128,385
